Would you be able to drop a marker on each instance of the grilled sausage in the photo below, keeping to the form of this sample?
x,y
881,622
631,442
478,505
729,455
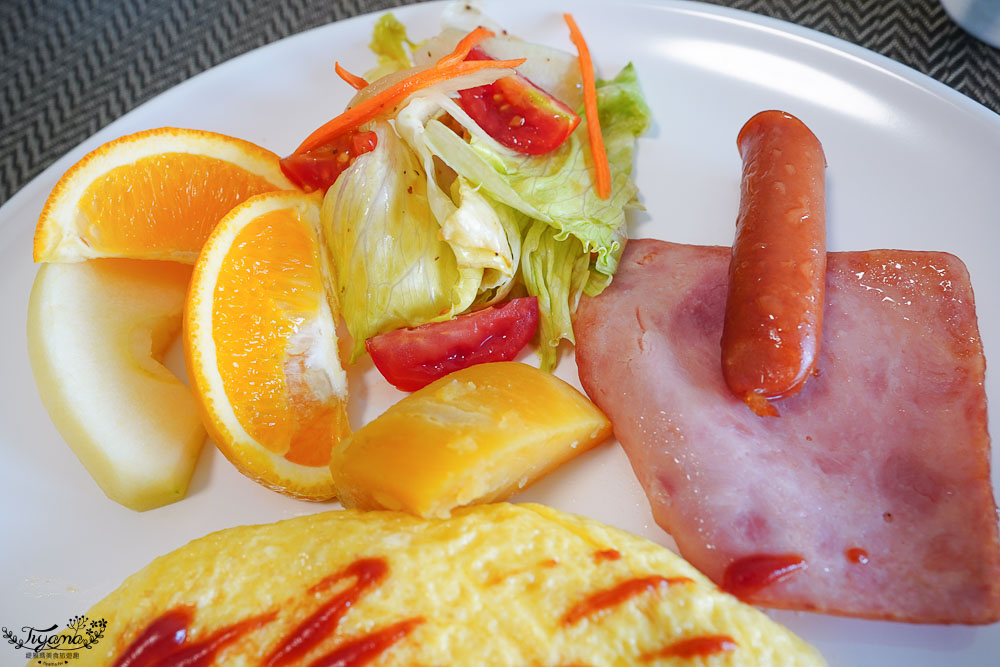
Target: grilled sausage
x,y
774,308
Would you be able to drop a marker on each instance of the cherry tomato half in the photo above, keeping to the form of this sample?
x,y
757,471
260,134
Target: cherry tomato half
x,y
413,358
319,168
517,113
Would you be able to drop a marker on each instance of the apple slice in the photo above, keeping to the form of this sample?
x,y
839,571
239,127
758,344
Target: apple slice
x,y
97,334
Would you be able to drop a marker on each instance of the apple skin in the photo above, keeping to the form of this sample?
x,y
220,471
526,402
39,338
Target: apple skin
x,y
97,334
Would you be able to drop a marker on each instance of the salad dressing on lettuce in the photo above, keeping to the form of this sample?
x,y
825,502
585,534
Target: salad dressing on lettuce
x,y
433,222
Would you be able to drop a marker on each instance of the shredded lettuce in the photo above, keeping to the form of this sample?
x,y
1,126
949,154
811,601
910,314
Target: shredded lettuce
x,y
433,222
600,226
556,271
560,184
557,191
475,232
392,269
557,188
480,232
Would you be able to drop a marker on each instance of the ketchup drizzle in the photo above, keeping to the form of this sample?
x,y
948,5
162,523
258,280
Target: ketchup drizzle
x,y
748,575
200,654
363,650
694,648
611,597
606,554
164,641
367,572
160,638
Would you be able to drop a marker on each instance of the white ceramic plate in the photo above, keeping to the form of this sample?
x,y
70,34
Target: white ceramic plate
x,y
912,164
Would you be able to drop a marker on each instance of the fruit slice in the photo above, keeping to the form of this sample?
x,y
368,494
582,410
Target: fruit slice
x,y
156,194
261,346
477,435
97,333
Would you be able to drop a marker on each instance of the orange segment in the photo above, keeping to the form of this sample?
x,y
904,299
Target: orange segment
x,y
261,345
156,194
123,208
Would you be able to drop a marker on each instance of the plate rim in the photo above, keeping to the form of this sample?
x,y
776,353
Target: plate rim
x,y
836,46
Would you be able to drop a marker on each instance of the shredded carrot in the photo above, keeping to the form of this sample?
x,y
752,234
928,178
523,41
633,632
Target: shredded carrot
x,y
388,98
352,80
464,46
602,174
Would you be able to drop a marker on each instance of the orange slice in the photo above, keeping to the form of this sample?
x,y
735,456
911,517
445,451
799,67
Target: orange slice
x,y
261,346
156,194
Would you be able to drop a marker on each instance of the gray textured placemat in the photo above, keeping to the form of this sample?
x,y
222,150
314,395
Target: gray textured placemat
x,y
70,67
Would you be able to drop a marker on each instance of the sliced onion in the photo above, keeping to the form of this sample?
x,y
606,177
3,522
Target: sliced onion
x,y
477,78
553,70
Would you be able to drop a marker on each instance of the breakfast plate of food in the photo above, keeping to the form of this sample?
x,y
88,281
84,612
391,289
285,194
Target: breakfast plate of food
x,y
662,329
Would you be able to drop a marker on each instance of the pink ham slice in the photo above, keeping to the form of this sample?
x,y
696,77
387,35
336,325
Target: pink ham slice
x,y
870,495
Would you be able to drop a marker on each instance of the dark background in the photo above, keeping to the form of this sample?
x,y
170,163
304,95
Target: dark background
x,y
70,67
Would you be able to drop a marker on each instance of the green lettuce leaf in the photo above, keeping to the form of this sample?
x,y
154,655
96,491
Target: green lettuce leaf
x,y
498,214
481,233
555,271
560,184
574,239
392,269
558,188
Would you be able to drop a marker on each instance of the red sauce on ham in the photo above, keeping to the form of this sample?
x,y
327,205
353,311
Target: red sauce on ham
x,y
694,648
363,650
611,597
752,573
367,572
164,641
856,555
606,554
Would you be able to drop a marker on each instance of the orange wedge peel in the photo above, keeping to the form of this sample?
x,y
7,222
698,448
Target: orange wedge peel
x,y
155,194
261,344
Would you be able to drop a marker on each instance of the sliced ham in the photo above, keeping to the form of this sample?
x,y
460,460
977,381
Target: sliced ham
x,y
870,495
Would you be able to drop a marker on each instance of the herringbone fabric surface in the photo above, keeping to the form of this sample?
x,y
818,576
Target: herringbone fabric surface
x,y
70,67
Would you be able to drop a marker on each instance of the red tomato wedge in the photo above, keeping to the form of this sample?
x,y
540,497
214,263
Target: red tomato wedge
x,y
319,168
413,358
517,113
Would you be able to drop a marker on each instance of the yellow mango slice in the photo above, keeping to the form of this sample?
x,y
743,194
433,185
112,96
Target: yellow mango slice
x,y
476,435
